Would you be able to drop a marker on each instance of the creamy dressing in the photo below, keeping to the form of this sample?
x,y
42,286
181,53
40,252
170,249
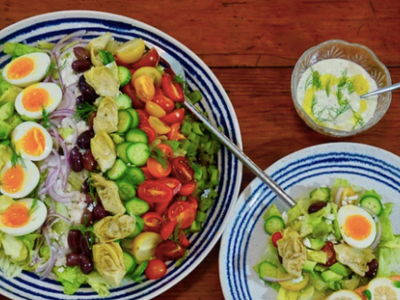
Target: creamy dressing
x,y
329,93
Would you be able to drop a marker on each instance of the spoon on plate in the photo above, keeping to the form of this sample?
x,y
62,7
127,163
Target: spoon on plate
x,y
382,90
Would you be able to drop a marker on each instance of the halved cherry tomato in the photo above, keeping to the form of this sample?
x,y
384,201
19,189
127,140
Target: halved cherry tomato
x,y
175,117
149,59
155,269
175,133
169,250
183,213
187,189
144,87
182,170
167,104
166,150
330,250
152,222
156,169
171,88
150,132
147,173
154,192
193,202
183,241
168,229
159,126
120,63
136,103
172,183
161,208
275,238
155,110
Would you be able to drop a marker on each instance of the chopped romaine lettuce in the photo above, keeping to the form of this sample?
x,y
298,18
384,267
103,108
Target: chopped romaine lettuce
x,y
62,226
387,232
4,85
65,132
395,243
15,249
298,210
272,211
5,201
389,262
71,278
29,240
99,284
17,49
336,227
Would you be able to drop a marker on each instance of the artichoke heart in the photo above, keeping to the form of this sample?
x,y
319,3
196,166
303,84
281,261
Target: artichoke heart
x,y
356,259
108,193
108,260
103,150
99,43
293,252
107,116
103,80
114,228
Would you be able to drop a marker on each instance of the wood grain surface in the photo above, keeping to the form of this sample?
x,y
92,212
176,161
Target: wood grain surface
x,y
252,47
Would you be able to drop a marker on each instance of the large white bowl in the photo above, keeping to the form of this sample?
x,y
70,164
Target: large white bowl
x,y
52,27
244,240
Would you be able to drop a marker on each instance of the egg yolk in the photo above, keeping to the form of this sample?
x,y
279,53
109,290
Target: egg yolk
x,y
20,68
33,142
13,179
357,227
34,99
16,215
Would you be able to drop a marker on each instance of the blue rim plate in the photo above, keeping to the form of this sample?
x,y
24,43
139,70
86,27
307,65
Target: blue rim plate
x,y
244,240
52,27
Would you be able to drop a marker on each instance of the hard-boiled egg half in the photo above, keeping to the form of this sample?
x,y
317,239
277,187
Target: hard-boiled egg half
x,y
19,180
27,69
357,226
32,141
18,220
32,100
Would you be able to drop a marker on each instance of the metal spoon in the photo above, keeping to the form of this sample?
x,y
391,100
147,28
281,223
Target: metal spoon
x,y
382,90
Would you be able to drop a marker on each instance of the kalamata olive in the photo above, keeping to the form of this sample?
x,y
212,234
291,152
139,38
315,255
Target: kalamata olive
x,y
74,238
84,138
73,259
316,206
89,163
88,93
87,218
86,243
100,212
81,53
329,249
88,199
75,160
373,269
79,100
85,186
81,65
91,117
81,81
86,264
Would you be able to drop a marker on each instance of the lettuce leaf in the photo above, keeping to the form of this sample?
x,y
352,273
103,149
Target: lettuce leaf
x,y
4,85
395,243
17,49
99,284
71,278
387,232
389,262
29,240
298,210
15,249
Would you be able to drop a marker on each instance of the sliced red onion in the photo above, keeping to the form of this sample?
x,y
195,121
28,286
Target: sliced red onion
x,y
57,215
55,195
69,101
379,229
66,162
44,270
272,279
65,112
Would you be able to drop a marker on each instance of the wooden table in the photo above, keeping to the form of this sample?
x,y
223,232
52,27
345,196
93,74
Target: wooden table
x,y
252,46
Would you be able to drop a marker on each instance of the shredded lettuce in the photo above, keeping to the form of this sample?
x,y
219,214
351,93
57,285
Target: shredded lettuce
x,y
17,49
71,278
99,284
4,85
389,261
387,232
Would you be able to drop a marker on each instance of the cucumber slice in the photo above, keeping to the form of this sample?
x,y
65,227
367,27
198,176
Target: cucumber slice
x,y
373,203
320,194
274,224
124,121
138,154
135,117
117,170
124,75
138,228
134,175
123,101
121,151
136,207
266,269
139,271
126,190
136,135
129,262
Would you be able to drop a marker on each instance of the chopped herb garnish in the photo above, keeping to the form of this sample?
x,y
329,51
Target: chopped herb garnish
x,y
316,80
359,120
33,206
350,86
84,109
159,156
328,87
15,157
92,189
343,80
46,118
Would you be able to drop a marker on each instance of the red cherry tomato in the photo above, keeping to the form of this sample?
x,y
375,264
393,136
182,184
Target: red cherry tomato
x,y
168,229
330,251
136,103
155,269
143,118
193,202
150,59
187,189
166,150
154,192
182,170
152,222
275,238
147,173
183,241
169,250
120,63
183,213
150,132
171,88
173,183
161,208
175,117
158,170
166,104
175,133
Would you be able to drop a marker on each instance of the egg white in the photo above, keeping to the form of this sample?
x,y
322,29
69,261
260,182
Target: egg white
x,y
351,210
55,95
41,65
38,216
344,295
32,177
22,129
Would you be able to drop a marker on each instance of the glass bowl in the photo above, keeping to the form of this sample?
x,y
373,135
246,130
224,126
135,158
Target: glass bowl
x,y
356,53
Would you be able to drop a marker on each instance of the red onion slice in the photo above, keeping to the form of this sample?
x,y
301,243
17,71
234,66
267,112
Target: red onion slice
x,y
272,279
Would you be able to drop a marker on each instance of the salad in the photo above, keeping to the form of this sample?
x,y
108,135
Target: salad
x,y
335,243
103,172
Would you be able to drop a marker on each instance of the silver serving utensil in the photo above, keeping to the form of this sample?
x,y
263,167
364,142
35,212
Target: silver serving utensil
x,y
382,90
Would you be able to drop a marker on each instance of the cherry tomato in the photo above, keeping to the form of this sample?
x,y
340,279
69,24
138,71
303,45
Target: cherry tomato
x,y
182,170
175,133
183,213
150,59
154,192
275,238
183,241
151,134
147,173
155,110
161,208
193,202
152,222
168,70
136,103
187,189
168,229
155,269
158,170
167,105
169,250
144,87
328,249
166,150
172,183
175,117
120,63
143,118
171,88
159,126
